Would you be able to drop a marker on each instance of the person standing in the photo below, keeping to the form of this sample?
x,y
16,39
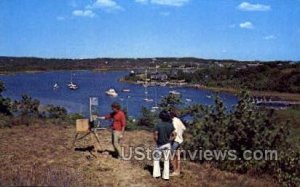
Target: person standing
x,y
118,126
179,129
163,135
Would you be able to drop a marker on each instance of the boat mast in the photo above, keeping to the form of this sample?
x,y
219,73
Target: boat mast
x,y
146,85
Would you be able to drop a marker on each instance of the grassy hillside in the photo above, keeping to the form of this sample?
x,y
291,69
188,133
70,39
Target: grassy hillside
x,y
41,154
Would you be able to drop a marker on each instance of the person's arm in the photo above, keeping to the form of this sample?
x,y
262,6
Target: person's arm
x,y
173,135
108,116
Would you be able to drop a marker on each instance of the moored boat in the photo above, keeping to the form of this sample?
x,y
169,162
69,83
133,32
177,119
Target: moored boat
x,y
111,92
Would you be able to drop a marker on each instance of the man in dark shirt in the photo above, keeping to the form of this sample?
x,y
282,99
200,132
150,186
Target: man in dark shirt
x,y
163,135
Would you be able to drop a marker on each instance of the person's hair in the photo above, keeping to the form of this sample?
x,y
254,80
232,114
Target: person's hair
x,y
173,113
165,116
116,105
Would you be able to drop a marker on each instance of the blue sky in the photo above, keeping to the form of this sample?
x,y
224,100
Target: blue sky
x,y
230,29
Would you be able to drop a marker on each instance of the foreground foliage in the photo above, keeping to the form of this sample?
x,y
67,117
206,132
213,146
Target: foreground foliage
x,y
246,128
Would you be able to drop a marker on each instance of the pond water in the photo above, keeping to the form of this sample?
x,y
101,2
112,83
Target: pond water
x,y
94,84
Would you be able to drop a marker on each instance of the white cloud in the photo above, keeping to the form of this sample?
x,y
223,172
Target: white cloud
x,y
105,4
84,13
246,25
245,6
270,37
176,3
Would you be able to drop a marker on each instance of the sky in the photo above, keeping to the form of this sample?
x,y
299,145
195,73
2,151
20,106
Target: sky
x,y
219,29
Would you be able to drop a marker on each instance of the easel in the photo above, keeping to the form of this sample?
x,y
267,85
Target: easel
x,y
83,126
89,132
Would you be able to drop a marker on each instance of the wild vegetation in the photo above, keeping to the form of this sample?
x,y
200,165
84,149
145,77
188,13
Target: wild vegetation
x,y
276,77
213,128
264,77
245,128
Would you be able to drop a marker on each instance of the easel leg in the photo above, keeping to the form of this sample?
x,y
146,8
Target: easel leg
x,y
98,140
73,145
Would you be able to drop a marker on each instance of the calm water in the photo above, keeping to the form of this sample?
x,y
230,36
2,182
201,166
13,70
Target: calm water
x,y
40,86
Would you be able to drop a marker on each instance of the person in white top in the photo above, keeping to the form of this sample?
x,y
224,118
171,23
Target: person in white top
x,y
179,129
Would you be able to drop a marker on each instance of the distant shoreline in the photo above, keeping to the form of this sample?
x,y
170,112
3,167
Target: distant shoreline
x,y
284,96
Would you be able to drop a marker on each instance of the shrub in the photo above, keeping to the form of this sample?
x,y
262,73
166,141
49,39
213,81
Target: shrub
x,y
5,121
246,128
148,118
56,112
4,102
27,106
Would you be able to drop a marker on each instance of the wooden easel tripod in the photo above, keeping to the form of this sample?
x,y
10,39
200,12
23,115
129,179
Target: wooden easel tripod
x,y
83,127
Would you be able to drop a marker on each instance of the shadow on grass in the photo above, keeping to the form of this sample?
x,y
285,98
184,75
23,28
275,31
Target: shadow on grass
x,y
110,152
85,149
149,168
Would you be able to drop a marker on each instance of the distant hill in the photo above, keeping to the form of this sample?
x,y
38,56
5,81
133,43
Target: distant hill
x,y
15,64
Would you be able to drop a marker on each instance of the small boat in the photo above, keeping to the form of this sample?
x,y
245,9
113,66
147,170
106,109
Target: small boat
x,y
55,86
126,90
111,92
148,100
188,100
208,96
72,86
162,84
174,92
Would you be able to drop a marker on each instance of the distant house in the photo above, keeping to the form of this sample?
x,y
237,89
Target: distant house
x,y
189,70
159,76
219,64
254,65
174,74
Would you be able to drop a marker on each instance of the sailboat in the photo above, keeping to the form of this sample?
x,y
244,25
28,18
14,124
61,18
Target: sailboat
x,y
155,108
146,99
55,86
71,85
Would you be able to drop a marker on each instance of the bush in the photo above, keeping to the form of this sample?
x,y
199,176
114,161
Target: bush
x,y
5,121
56,112
4,102
27,106
132,124
148,118
246,128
